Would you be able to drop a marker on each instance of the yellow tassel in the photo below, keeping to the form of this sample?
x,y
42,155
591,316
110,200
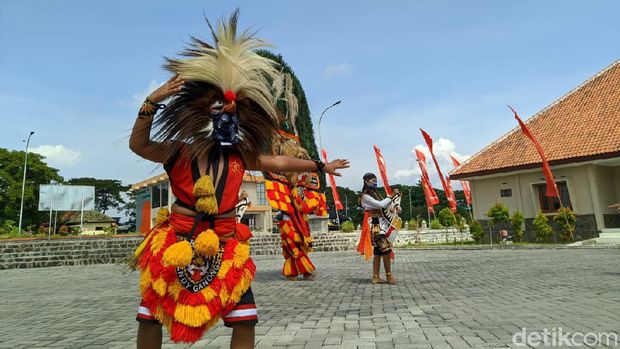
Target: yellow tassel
x,y
209,294
207,204
241,255
192,316
159,239
207,243
179,254
224,268
145,280
204,186
224,296
174,289
162,215
159,286
138,252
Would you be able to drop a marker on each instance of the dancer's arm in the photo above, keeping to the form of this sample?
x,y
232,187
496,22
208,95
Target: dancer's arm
x,y
282,163
140,140
368,202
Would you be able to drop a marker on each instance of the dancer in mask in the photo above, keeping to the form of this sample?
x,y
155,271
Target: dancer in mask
x,y
376,228
195,265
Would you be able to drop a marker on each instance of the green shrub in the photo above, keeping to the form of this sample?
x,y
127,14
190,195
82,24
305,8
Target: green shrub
x,y
543,230
446,217
499,214
566,219
414,224
8,228
517,221
435,224
476,231
347,227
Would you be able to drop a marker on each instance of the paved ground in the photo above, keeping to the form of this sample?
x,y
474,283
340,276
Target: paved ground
x,y
445,299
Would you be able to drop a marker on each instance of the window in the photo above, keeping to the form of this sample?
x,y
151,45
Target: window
x,y
260,194
505,193
164,194
159,195
551,204
155,196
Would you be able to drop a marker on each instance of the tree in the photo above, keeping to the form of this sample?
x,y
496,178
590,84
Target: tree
x,y
566,219
107,192
517,221
446,217
130,209
476,231
11,175
542,228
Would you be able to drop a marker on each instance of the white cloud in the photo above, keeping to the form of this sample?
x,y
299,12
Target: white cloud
x,y
338,69
408,172
135,101
58,155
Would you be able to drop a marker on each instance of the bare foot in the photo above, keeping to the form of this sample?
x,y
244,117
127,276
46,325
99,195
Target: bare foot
x,y
291,278
377,280
309,276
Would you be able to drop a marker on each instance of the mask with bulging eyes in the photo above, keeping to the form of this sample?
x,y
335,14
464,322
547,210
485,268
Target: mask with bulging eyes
x,y
225,125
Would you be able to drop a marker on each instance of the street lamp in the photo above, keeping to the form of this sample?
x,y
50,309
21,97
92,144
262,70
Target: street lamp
x,y
21,207
321,118
410,206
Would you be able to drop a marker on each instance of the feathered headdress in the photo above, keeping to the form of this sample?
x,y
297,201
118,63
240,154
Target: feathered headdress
x,y
227,78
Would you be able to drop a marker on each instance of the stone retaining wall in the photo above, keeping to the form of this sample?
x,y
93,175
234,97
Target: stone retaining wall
x,y
100,250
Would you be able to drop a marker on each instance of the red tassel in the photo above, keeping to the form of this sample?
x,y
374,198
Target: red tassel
x,y
232,278
230,96
169,305
229,249
150,298
155,267
215,306
169,274
192,299
182,333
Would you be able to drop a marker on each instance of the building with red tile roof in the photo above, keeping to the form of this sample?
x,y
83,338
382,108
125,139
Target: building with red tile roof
x,y
580,134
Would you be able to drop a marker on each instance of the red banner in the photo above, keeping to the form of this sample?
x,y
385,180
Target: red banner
x,y
332,183
432,195
427,188
447,190
383,170
464,184
552,189
450,195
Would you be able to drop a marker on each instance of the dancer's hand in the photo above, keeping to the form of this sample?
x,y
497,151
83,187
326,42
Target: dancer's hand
x,y
169,88
332,166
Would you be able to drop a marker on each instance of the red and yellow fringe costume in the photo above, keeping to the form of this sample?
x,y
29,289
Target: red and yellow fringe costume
x,y
294,230
187,315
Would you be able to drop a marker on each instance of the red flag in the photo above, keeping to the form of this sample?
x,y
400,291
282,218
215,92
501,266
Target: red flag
x,y
382,170
432,195
464,184
552,189
332,183
447,190
450,195
426,187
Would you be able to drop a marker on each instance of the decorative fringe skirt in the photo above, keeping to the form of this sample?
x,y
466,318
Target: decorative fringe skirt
x,y
189,300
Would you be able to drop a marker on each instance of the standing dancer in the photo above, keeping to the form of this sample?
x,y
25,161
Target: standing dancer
x,y
195,264
376,228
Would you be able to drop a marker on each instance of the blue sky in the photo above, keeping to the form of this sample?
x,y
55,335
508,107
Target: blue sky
x,y
75,71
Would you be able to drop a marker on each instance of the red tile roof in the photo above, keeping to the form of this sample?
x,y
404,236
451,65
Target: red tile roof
x,y
582,125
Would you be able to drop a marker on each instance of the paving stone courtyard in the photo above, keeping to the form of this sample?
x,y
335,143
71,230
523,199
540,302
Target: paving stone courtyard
x,y
444,299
